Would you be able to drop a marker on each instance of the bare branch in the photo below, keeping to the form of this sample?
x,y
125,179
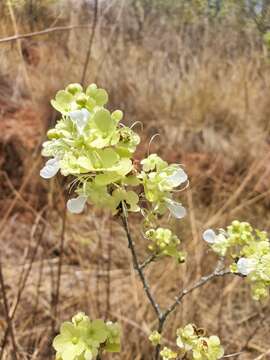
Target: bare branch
x,y
43,32
147,261
136,263
8,318
203,280
218,272
91,39
59,269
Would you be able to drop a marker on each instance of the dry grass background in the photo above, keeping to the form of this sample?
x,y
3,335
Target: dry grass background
x,y
204,87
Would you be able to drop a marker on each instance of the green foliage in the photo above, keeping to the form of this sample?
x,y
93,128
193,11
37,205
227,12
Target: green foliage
x,y
83,339
250,250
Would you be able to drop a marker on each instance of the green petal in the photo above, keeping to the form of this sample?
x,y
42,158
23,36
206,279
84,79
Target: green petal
x,y
103,121
101,97
108,157
108,178
74,88
72,351
62,101
123,167
85,163
60,342
67,329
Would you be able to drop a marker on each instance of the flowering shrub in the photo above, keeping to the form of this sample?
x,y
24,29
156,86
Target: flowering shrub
x,y
91,144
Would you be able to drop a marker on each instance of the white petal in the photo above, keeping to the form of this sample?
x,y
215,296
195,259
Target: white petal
x,y
50,169
176,209
88,355
246,266
177,178
76,205
209,236
80,118
220,238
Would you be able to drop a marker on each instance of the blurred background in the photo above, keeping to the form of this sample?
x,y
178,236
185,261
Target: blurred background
x,y
197,73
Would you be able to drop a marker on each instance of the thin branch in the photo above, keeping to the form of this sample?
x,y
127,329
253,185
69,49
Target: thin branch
x,y
59,269
147,261
232,355
201,282
43,32
136,265
218,272
91,39
8,318
108,277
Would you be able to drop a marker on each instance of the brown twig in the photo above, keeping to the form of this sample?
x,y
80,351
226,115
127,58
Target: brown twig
x,y
147,261
31,343
136,265
8,318
59,269
43,32
91,39
108,277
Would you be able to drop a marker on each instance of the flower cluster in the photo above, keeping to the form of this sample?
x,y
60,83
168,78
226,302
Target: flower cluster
x,y
83,339
164,243
250,250
192,344
155,338
168,354
191,339
159,181
91,144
